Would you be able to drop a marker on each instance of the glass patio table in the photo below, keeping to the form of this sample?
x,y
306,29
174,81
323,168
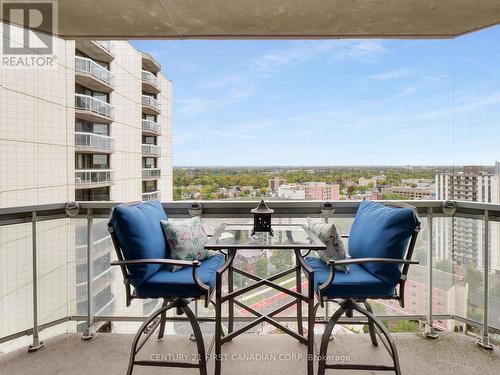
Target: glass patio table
x,y
231,238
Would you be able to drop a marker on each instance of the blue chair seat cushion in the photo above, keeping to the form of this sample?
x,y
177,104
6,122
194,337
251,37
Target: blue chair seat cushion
x,y
358,283
180,283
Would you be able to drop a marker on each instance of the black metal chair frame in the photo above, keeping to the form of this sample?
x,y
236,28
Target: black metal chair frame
x,y
348,305
159,317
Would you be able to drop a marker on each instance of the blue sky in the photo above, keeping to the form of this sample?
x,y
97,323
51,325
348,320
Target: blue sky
x,y
334,102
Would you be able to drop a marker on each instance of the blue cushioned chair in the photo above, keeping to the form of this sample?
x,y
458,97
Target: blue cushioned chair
x,y
381,244
143,256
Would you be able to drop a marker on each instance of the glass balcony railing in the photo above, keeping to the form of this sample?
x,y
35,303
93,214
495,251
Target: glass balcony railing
x,y
149,126
88,66
452,288
151,79
151,173
151,195
94,142
93,178
93,105
151,150
150,102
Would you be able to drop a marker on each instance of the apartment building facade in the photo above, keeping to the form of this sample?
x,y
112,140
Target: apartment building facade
x,y
95,126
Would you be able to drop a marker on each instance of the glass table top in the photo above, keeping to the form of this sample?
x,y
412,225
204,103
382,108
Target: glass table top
x,y
239,236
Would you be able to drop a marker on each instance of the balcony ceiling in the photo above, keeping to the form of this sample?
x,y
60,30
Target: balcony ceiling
x,y
274,18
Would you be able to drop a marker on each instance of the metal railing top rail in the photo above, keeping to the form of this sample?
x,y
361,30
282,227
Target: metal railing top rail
x,y
241,209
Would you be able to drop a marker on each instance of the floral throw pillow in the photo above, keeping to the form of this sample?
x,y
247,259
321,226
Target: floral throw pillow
x,y
187,239
331,238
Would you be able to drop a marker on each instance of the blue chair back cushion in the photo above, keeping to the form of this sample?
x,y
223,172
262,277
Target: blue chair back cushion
x,y
138,230
381,231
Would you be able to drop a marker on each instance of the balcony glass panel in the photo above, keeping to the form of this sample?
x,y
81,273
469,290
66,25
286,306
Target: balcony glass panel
x,y
89,66
152,195
150,126
106,44
93,177
151,150
149,101
89,103
150,78
151,173
94,141
16,286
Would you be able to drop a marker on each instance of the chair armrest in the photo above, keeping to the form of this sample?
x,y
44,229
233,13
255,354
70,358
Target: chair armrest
x,y
370,260
164,262
229,261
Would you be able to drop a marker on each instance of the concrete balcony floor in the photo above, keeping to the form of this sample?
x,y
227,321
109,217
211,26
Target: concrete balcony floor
x,y
452,354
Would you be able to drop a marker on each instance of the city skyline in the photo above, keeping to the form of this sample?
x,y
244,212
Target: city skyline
x,y
334,102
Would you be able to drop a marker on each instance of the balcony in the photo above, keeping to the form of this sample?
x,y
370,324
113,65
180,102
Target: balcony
x,y
150,83
151,195
454,300
150,128
97,50
93,143
151,150
151,173
92,109
90,74
149,63
150,105
92,178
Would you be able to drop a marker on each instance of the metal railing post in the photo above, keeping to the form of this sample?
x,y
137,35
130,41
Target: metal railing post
x,y
37,344
88,334
429,330
484,340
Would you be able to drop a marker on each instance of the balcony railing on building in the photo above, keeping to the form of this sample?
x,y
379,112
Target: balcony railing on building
x,y
151,150
150,127
150,83
90,178
95,143
151,173
92,75
150,105
92,109
151,195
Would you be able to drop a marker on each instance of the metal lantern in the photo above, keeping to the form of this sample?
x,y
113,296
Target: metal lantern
x,y
262,218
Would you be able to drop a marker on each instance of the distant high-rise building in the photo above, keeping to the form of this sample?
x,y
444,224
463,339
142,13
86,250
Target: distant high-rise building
x,y
464,237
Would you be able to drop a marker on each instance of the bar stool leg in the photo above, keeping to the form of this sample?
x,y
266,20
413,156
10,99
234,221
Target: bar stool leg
x,y
371,325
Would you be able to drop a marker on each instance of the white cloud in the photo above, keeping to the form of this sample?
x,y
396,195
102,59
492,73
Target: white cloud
x,y
392,74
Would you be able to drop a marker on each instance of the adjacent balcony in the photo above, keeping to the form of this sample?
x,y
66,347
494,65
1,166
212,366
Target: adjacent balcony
x,y
150,63
98,50
151,150
92,178
150,83
151,173
151,195
150,105
150,128
90,74
93,143
92,109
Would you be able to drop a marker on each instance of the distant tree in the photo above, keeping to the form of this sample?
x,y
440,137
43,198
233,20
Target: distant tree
x,y
282,260
443,265
393,197
261,267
